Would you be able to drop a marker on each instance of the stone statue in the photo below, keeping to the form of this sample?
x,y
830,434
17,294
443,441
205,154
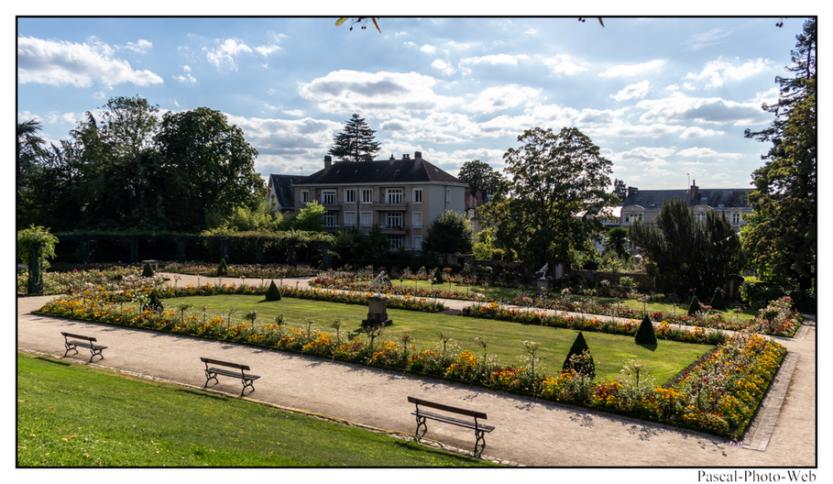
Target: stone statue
x,y
377,314
542,272
378,282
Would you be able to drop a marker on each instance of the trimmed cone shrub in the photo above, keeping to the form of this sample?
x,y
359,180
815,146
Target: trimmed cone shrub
x,y
694,307
222,269
147,271
579,358
155,303
438,276
645,334
273,293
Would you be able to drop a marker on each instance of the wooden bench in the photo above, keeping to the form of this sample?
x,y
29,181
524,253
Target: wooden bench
x,y
479,428
73,341
239,371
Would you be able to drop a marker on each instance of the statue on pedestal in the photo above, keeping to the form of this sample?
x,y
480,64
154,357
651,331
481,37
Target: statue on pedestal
x,y
377,314
542,283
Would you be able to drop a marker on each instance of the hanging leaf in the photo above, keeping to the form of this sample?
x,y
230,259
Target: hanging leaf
x,y
341,20
376,24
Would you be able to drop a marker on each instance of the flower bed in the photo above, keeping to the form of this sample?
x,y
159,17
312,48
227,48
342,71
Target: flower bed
x,y
785,324
591,323
76,280
719,394
264,271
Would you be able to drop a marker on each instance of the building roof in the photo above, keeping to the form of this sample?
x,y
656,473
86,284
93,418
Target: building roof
x,y
283,188
714,197
384,171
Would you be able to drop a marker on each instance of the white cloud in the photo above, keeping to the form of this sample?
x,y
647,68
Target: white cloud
x,y
633,70
565,64
186,77
382,93
708,38
531,32
717,72
428,49
443,67
637,90
63,63
702,152
500,98
140,46
709,110
494,60
267,50
225,53
294,112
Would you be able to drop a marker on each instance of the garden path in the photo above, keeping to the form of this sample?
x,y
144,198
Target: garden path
x,y
530,432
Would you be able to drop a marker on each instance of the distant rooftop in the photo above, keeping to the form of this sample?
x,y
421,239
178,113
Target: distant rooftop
x,y
713,197
405,169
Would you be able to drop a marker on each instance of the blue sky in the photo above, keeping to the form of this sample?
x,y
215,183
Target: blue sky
x,y
663,98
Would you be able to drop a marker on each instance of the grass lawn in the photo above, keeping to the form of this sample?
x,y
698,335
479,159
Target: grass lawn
x,y
505,293
69,415
504,338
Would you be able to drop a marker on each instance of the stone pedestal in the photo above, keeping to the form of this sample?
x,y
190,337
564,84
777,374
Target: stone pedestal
x,y
543,286
377,313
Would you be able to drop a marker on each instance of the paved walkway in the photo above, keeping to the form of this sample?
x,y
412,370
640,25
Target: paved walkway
x,y
529,432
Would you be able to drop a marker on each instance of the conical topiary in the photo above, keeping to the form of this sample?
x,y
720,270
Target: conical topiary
x,y
147,271
155,304
583,361
645,334
222,268
273,293
694,307
438,276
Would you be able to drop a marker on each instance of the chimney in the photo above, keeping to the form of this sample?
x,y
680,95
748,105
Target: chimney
x,y
417,155
694,192
632,191
392,157
328,161
406,156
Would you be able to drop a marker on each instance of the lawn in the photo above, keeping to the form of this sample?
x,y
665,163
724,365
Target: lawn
x,y
504,339
495,293
70,415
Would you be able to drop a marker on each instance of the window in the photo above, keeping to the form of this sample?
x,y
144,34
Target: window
x,y
393,220
736,218
416,242
396,241
304,196
417,195
349,219
328,197
330,219
393,196
367,195
350,195
366,219
416,219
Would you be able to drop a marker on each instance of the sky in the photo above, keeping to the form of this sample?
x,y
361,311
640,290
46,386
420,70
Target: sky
x,y
666,99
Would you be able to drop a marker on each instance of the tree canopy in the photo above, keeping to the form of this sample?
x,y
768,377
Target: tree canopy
x,y
559,188
483,180
781,234
127,167
356,142
450,233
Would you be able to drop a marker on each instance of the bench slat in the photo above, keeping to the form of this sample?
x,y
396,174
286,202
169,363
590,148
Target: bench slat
x,y
447,408
455,421
78,336
224,363
91,346
236,374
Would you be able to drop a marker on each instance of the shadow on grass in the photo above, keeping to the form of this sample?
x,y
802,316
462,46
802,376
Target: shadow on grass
x,y
50,360
202,393
652,347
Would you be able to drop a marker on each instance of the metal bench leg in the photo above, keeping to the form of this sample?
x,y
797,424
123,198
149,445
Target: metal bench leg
x,y
421,427
247,384
68,348
210,376
95,353
480,442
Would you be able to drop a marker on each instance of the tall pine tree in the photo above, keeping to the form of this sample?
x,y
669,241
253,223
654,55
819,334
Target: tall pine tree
x,y
782,231
356,142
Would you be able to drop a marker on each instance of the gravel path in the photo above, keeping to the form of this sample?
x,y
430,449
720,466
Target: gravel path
x,y
529,432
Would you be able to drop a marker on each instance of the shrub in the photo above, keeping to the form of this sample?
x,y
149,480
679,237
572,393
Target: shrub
x,y
757,294
155,304
273,293
694,307
645,334
147,271
222,268
438,276
579,358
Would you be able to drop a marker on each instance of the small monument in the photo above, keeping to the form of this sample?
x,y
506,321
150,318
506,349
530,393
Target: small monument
x,y
377,313
542,283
